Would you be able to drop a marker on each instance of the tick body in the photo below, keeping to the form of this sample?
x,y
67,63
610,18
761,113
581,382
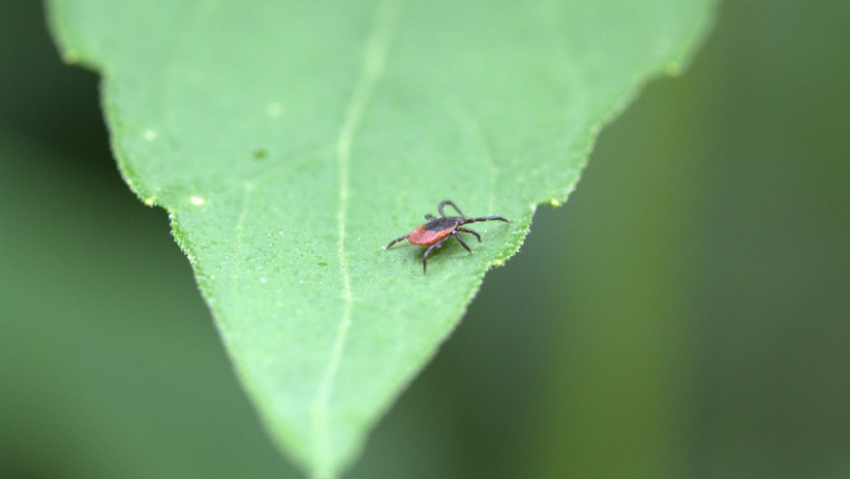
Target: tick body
x,y
438,230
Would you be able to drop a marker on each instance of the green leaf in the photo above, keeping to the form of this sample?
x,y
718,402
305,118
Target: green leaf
x,y
290,141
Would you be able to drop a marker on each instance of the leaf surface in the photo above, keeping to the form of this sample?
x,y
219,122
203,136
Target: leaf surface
x,y
290,141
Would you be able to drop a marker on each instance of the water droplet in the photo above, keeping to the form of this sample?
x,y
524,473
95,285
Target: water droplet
x,y
71,57
673,69
274,109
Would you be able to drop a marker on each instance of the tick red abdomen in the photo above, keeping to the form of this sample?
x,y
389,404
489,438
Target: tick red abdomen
x,y
424,237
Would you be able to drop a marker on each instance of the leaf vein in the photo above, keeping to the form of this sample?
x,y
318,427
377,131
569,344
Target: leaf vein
x,y
372,69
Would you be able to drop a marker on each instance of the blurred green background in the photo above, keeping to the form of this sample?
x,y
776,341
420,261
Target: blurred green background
x,y
685,315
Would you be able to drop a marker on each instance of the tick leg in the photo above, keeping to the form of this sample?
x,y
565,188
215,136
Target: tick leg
x,y
486,218
430,217
461,241
471,232
396,241
428,251
453,205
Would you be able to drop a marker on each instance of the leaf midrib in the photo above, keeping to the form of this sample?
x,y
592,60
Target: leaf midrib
x,y
383,25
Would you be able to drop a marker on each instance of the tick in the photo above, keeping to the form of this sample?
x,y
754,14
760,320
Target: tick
x,y
438,230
